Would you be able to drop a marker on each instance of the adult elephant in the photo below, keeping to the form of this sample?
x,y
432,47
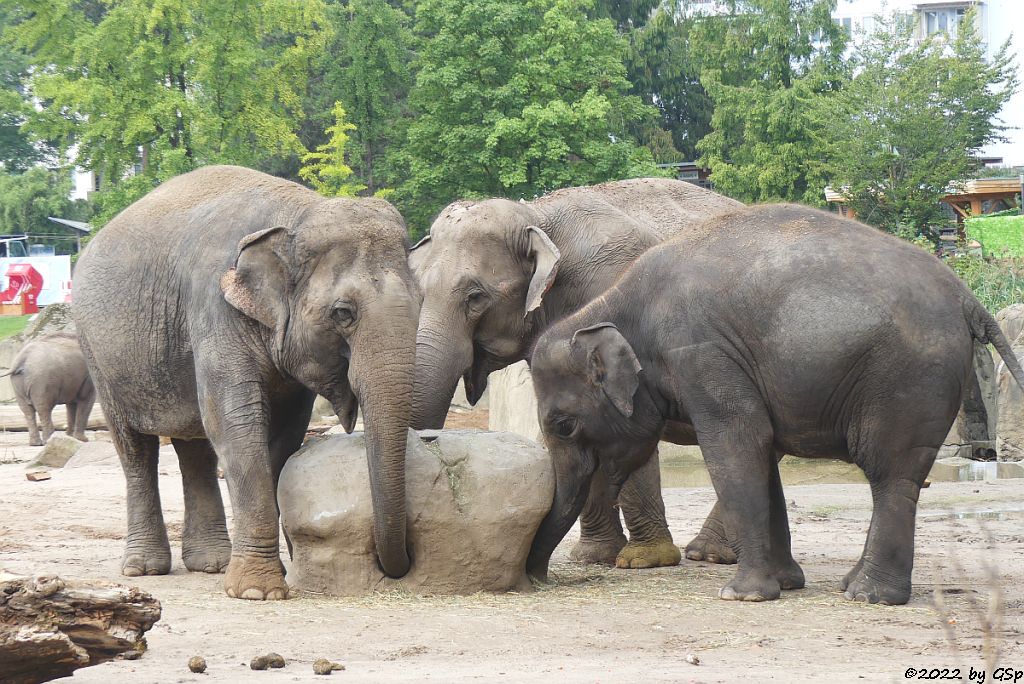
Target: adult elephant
x,y
212,311
496,273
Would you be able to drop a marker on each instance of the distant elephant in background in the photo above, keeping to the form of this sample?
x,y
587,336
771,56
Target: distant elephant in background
x,y
51,370
212,311
495,274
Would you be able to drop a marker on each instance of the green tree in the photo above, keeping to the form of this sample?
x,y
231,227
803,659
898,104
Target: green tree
x,y
168,85
325,169
910,121
28,198
764,65
517,98
366,66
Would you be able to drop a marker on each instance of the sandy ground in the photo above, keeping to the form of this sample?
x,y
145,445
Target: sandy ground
x,y
592,625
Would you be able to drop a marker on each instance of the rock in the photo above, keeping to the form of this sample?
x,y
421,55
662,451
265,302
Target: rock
x,y
474,502
94,453
197,664
1010,441
974,431
513,405
259,663
37,476
323,666
322,410
58,451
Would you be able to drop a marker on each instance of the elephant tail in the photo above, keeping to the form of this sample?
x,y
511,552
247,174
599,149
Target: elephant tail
x,y
986,330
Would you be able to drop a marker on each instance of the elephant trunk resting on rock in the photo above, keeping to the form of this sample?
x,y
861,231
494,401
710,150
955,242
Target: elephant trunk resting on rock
x,y
495,274
51,370
777,329
212,311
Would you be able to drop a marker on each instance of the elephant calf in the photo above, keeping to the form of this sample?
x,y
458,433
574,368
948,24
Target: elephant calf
x,y
212,311
775,329
51,370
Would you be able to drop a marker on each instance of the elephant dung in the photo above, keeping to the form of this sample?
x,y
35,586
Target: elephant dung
x,y
1011,397
58,451
474,501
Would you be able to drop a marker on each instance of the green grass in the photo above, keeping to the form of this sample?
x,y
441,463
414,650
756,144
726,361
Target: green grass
x,y
1000,236
12,325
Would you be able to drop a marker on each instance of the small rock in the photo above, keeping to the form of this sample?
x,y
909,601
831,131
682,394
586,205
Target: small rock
x,y
37,476
58,451
692,659
275,660
197,664
323,666
259,663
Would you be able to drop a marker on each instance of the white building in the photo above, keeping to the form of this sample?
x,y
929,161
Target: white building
x,y
997,19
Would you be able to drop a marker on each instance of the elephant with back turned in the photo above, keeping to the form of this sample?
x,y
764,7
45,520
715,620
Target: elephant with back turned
x,y
212,311
496,273
48,371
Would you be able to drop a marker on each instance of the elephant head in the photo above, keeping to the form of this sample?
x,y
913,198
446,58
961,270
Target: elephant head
x,y
483,270
335,294
594,414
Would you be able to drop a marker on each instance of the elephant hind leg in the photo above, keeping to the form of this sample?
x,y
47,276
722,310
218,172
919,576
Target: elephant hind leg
x,y
84,408
29,412
205,545
71,410
147,551
46,420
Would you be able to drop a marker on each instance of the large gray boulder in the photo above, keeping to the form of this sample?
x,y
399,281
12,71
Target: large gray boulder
x,y
474,501
1011,398
513,405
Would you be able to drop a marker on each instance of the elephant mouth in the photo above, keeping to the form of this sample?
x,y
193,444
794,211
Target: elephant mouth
x,y
347,410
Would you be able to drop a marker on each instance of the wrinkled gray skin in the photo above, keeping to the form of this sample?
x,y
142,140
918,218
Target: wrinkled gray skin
x,y
495,274
213,311
51,370
779,329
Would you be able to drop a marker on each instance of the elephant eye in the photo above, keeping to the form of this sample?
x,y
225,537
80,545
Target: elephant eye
x,y
565,426
344,313
476,298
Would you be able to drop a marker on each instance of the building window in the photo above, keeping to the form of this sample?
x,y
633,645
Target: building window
x,y
946,20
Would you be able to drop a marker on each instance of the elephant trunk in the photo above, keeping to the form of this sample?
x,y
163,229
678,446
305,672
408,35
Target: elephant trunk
x,y
574,469
441,359
381,372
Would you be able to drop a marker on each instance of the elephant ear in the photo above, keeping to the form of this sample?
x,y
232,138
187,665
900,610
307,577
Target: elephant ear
x,y
609,363
418,252
258,283
544,256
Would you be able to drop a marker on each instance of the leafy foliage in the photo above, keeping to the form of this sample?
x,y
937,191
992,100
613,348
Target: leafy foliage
x,y
996,283
28,198
765,63
325,169
908,123
515,98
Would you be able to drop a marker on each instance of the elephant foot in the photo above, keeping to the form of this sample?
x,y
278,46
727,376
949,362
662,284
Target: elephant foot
x,y
140,560
35,440
80,436
212,555
864,585
710,545
751,586
255,578
660,553
597,552
790,575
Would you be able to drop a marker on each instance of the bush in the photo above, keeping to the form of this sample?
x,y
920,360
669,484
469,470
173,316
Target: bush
x,y
997,283
1000,236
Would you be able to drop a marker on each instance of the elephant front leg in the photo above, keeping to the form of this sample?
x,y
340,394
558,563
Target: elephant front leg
x,y
650,541
601,536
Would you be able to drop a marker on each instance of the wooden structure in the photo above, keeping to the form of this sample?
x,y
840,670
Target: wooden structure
x,y
983,196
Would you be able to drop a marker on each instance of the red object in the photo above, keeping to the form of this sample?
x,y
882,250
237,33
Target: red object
x,y
24,284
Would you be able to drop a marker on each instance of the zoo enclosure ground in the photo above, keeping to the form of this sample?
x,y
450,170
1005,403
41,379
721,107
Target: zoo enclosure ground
x,y
592,625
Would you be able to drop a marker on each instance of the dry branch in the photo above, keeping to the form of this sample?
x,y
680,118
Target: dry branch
x,y
49,627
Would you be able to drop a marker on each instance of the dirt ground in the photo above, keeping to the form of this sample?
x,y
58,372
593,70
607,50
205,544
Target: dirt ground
x,y
592,625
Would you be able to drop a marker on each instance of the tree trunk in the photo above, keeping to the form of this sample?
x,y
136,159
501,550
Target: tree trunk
x,y
49,627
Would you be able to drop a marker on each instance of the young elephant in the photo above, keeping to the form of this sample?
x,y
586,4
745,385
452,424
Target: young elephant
x,y
496,273
212,311
776,329
51,370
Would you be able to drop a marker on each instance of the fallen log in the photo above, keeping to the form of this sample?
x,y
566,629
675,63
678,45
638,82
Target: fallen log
x,y
50,627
